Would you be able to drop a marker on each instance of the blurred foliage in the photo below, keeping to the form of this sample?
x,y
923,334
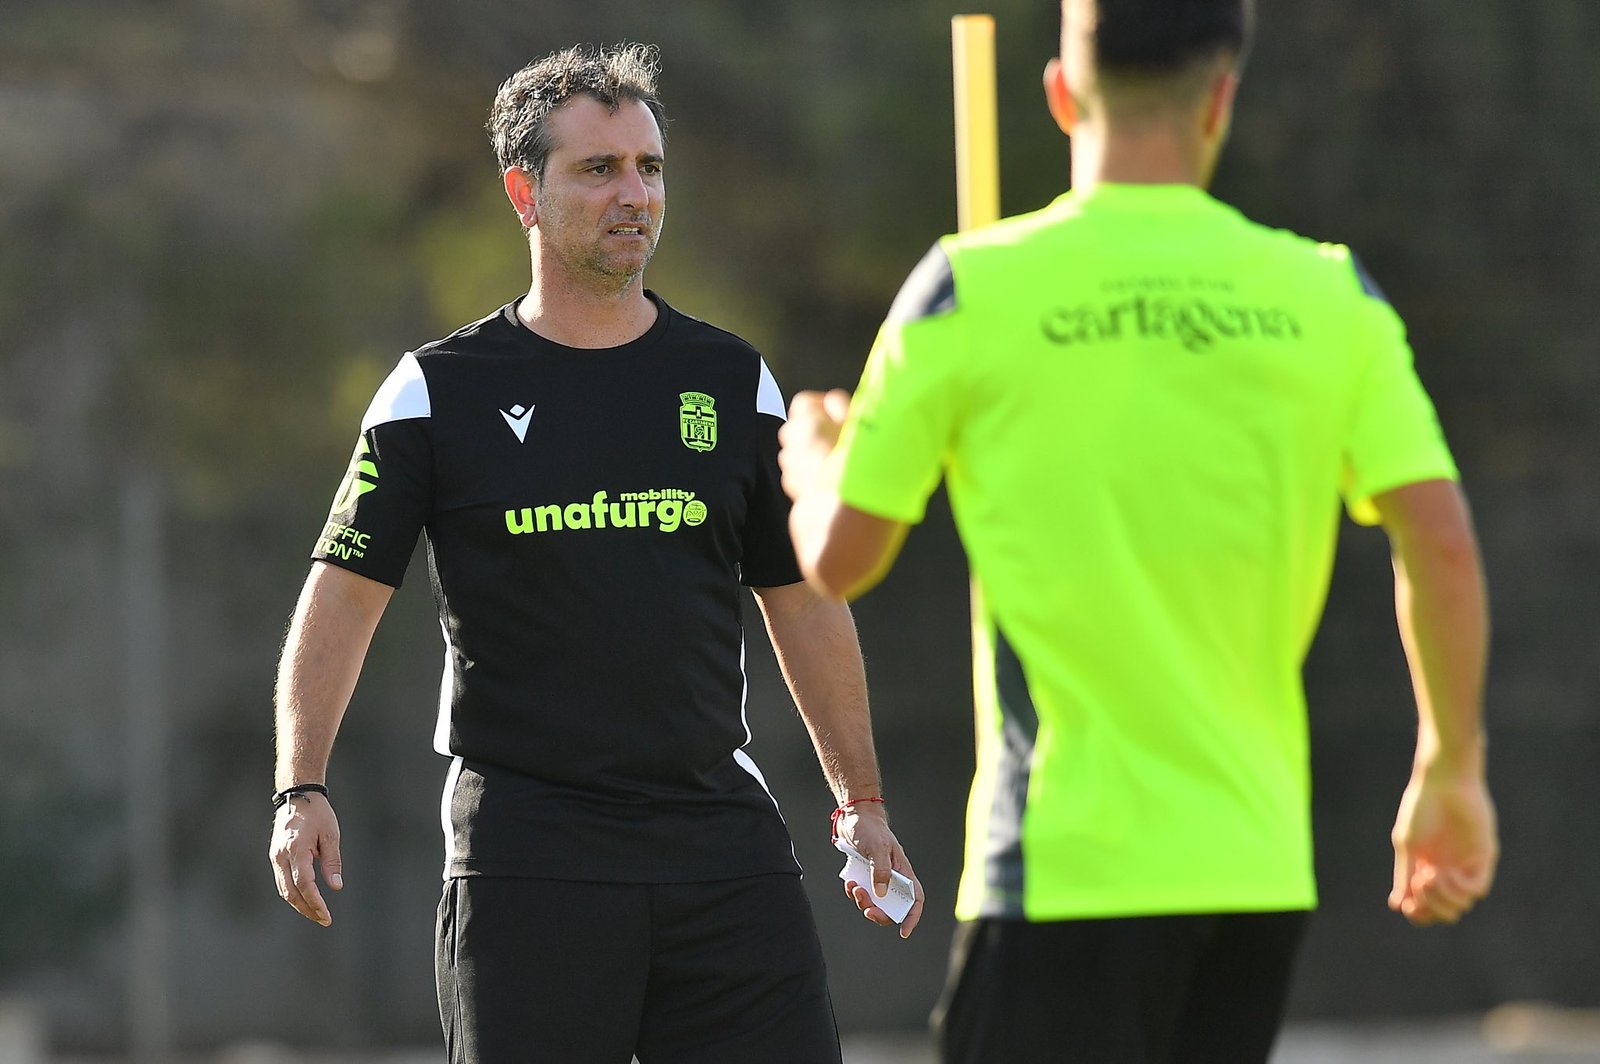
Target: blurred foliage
x,y
59,854
221,221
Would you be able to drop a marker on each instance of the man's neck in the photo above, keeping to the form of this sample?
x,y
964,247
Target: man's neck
x,y
578,316
1140,157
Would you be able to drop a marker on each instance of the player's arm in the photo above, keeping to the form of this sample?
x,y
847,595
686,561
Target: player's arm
x,y
1445,837
327,642
815,640
843,552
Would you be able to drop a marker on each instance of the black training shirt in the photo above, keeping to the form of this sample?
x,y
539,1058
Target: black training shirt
x,y
589,518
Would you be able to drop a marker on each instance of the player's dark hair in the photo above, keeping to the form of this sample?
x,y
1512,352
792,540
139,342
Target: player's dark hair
x,y
1161,38
518,125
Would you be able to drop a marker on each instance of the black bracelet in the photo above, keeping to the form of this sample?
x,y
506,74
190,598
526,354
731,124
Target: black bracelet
x,y
280,797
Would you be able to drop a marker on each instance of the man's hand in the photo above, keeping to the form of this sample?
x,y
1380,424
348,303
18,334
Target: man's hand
x,y
306,829
865,827
842,551
808,437
1445,847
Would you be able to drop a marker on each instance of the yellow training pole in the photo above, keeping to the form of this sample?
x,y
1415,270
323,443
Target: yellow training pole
x,y
977,127
977,203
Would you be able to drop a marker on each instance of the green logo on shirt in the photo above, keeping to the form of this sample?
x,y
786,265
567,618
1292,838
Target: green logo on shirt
x,y
666,509
697,420
354,485
342,541
1195,322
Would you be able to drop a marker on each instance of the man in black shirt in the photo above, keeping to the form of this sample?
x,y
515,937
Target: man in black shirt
x,y
595,475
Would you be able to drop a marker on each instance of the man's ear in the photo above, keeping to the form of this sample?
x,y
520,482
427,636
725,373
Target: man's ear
x,y
1058,96
520,187
1219,104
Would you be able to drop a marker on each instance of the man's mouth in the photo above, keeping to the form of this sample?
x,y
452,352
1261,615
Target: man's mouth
x,y
628,229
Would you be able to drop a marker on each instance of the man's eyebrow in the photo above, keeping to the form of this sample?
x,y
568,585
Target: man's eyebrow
x,y
612,158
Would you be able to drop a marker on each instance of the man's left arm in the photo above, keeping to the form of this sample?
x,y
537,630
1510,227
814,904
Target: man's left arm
x,y
814,638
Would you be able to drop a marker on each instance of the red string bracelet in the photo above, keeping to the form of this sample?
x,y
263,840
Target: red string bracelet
x,y
843,808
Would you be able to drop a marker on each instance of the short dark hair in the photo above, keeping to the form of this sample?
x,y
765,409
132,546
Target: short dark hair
x,y
1158,38
517,121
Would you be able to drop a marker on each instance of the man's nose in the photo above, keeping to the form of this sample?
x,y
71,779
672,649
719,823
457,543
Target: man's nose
x,y
633,192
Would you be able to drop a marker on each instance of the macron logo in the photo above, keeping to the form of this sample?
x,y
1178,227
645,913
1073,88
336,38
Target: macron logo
x,y
518,419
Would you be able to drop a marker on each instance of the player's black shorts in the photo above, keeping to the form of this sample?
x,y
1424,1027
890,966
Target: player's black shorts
x,y
538,970
1204,989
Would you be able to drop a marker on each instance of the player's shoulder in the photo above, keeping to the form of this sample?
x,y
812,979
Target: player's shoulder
x,y
1348,269
1315,253
685,328
934,288
1333,266
406,395
712,347
726,356
1003,236
491,330
1008,252
929,290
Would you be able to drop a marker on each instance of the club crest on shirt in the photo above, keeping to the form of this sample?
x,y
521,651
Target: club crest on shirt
x,y
697,421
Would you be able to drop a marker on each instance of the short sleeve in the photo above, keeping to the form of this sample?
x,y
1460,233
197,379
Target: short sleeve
x,y
767,554
1394,436
903,416
384,499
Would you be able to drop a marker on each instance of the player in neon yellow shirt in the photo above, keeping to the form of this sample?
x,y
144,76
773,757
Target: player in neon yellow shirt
x,y
1145,408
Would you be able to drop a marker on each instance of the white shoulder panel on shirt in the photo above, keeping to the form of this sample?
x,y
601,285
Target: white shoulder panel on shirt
x,y
769,400
403,395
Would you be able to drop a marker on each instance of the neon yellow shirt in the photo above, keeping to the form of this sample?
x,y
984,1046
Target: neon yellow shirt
x,y
1145,408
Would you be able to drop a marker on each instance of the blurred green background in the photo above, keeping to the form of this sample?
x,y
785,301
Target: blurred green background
x,y
221,221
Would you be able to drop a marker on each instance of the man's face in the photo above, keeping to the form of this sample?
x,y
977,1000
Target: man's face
x,y
603,198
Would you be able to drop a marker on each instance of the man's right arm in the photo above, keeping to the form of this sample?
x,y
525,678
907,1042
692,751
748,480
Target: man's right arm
x,y
327,641
1445,837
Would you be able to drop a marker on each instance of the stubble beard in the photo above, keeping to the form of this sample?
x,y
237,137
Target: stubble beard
x,y
611,273
620,271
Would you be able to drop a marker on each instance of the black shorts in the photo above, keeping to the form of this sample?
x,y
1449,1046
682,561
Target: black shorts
x,y
728,972
1204,989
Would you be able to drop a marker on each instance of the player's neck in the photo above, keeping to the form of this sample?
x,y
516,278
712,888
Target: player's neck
x,y
586,316
1138,157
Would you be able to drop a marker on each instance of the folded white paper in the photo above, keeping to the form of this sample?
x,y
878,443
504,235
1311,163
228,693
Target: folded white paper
x,y
902,892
